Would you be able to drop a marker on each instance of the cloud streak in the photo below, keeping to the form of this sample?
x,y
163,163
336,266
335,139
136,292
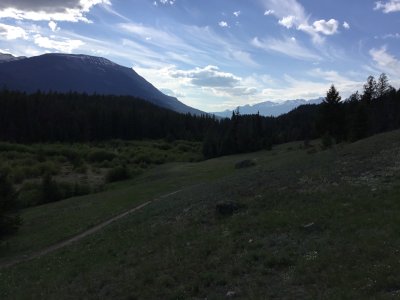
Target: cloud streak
x,y
287,46
64,45
385,61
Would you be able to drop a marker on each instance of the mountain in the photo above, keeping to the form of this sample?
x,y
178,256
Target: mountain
x,y
269,108
82,74
8,57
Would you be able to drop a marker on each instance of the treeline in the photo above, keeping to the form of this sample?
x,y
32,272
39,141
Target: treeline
x,y
246,133
73,117
375,110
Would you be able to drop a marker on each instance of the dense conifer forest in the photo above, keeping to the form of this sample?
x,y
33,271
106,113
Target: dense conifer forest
x,y
72,117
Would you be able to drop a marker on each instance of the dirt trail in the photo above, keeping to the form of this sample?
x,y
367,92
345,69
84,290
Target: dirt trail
x,y
79,236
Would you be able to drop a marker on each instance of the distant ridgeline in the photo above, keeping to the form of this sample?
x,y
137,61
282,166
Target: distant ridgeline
x,y
72,117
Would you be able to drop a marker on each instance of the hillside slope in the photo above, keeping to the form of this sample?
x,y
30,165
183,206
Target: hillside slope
x,y
308,224
82,74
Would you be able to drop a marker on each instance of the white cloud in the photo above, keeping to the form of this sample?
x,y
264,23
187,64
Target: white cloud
x,y
326,27
172,93
53,26
346,25
268,12
223,24
237,13
320,27
288,21
385,61
47,10
12,32
64,45
209,76
287,46
291,13
203,87
165,2
388,6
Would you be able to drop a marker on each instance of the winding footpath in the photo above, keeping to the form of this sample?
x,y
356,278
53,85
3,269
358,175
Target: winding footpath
x,y
78,237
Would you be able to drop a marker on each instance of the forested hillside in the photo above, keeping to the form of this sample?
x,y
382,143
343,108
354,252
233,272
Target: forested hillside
x,y
72,117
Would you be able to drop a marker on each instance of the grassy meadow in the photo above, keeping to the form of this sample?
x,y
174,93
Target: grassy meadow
x,y
307,223
80,169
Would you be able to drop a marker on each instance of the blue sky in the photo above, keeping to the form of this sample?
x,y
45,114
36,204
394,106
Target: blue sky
x,y
218,54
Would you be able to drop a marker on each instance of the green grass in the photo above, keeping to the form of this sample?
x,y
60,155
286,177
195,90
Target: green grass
x,y
320,225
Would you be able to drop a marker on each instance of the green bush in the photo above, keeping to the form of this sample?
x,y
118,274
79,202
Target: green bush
x,y
327,141
68,190
48,167
32,194
100,156
117,174
9,221
50,190
29,195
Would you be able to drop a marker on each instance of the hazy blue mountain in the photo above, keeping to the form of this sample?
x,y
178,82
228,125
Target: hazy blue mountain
x,y
8,57
269,108
82,73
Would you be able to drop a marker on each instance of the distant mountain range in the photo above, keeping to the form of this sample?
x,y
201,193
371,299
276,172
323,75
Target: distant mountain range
x,y
269,108
82,74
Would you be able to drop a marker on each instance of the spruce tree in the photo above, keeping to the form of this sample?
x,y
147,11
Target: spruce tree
x,y
332,115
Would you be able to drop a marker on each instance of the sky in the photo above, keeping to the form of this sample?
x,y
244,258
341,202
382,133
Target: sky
x,y
219,54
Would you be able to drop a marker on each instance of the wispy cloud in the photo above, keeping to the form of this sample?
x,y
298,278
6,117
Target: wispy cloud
x,y
307,89
388,6
392,36
268,12
62,45
287,46
167,2
385,61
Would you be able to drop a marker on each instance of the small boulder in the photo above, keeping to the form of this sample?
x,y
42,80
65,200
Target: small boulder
x,y
231,294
